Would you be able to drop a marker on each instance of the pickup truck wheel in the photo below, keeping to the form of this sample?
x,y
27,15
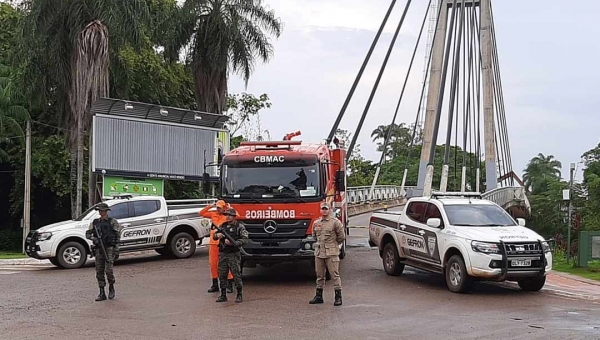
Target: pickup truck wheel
x,y
71,255
183,245
532,284
391,260
457,278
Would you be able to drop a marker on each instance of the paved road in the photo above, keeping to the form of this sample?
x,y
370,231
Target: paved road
x,y
167,299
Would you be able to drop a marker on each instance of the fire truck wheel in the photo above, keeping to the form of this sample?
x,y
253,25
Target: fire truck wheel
x,y
343,251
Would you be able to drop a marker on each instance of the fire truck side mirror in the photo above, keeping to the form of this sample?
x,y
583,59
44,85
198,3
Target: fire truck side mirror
x,y
340,183
206,183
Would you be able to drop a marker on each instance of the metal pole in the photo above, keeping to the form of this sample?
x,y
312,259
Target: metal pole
x,y
570,212
27,198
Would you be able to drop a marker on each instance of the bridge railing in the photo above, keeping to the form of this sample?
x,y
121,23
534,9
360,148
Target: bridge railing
x,y
504,196
358,195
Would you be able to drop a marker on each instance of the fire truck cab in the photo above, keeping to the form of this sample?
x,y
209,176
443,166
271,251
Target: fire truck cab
x,y
277,188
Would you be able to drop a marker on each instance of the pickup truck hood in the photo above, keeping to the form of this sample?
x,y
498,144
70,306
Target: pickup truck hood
x,y
64,225
497,234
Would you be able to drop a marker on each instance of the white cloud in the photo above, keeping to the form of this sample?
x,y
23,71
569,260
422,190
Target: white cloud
x,y
549,84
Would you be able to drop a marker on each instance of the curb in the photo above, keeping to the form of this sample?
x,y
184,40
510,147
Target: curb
x,y
576,278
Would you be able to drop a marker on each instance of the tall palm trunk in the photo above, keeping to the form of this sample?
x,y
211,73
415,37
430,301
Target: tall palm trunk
x,y
210,89
89,75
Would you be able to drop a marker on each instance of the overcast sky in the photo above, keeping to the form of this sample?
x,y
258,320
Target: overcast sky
x,y
548,58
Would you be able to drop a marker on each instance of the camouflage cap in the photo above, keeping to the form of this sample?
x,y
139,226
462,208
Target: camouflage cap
x,y
102,207
325,205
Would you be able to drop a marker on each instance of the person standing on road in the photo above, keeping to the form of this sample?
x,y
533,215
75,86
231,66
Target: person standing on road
x,y
329,232
107,230
217,217
230,257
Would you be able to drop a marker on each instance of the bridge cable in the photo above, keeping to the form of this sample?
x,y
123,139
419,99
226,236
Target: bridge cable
x,y
454,84
467,112
498,74
389,133
374,90
423,95
479,67
472,124
359,75
440,100
499,129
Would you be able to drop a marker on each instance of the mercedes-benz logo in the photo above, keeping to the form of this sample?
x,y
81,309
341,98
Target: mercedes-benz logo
x,y
270,226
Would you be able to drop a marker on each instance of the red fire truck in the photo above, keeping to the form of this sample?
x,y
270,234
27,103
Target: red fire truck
x,y
277,188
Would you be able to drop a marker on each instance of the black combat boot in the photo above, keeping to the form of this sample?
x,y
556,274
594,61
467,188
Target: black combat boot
x,y
229,286
338,297
238,298
318,297
102,295
223,296
215,286
111,291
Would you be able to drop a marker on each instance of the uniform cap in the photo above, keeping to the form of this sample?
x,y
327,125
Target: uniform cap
x,y
102,207
221,204
230,212
325,205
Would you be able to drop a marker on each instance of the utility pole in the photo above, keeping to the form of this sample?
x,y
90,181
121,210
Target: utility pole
x,y
570,212
27,198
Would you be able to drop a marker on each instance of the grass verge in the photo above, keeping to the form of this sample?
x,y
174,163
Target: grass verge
x,y
6,255
592,271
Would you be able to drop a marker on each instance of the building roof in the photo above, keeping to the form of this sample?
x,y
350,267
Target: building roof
x,y
161,113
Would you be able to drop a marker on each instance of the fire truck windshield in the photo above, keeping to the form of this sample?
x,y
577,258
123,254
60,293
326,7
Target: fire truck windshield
x,y
289,179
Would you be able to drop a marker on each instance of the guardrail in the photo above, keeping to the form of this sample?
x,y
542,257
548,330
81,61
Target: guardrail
x,y
505,196
359,195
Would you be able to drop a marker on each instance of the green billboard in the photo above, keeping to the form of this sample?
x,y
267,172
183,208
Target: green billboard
x,y
114,186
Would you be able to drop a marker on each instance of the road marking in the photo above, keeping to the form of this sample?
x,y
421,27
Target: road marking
x,y
7,273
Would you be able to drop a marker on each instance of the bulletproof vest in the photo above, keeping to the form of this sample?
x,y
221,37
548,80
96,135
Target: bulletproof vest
x,y
107,234
233,230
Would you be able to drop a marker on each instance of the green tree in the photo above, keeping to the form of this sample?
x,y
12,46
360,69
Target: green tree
x,y
223,36
66,45
12,113
9,31
539,171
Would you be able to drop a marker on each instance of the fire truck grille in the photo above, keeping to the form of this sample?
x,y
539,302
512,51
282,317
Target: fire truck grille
x,y
276,229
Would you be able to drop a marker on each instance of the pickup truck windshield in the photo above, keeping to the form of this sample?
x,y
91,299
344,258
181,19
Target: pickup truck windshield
x,y
293,179
478,215
85,213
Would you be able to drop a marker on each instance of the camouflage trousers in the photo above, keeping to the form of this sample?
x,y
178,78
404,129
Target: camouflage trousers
x,y
104,265
230,262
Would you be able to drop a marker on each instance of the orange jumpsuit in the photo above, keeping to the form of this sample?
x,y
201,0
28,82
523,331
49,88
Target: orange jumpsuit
x,y
213,245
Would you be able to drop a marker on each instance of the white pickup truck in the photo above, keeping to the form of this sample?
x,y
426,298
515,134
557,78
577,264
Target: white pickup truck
x,y
463,237
148,222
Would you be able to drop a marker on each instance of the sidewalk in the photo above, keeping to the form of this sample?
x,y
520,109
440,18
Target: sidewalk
x,y
572,285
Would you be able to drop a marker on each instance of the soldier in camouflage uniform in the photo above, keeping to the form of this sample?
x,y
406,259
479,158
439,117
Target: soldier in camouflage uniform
x,y
107,230
230,257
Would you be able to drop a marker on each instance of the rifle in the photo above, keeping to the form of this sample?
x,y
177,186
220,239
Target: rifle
x,y
227,236
101,242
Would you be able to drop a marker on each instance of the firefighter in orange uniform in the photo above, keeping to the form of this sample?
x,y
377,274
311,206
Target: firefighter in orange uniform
x,y
217,219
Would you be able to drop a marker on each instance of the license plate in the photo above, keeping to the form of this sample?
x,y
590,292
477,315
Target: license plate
x,y
520,263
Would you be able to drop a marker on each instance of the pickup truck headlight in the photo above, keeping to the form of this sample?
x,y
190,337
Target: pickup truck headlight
x,y
546,247
44,236
486,248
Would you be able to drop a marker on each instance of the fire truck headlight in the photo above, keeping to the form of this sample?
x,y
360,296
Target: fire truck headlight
x,y
307,246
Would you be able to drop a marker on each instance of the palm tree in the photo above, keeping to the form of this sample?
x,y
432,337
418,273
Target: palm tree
x,y
10,113
223,36
66,50
539,171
